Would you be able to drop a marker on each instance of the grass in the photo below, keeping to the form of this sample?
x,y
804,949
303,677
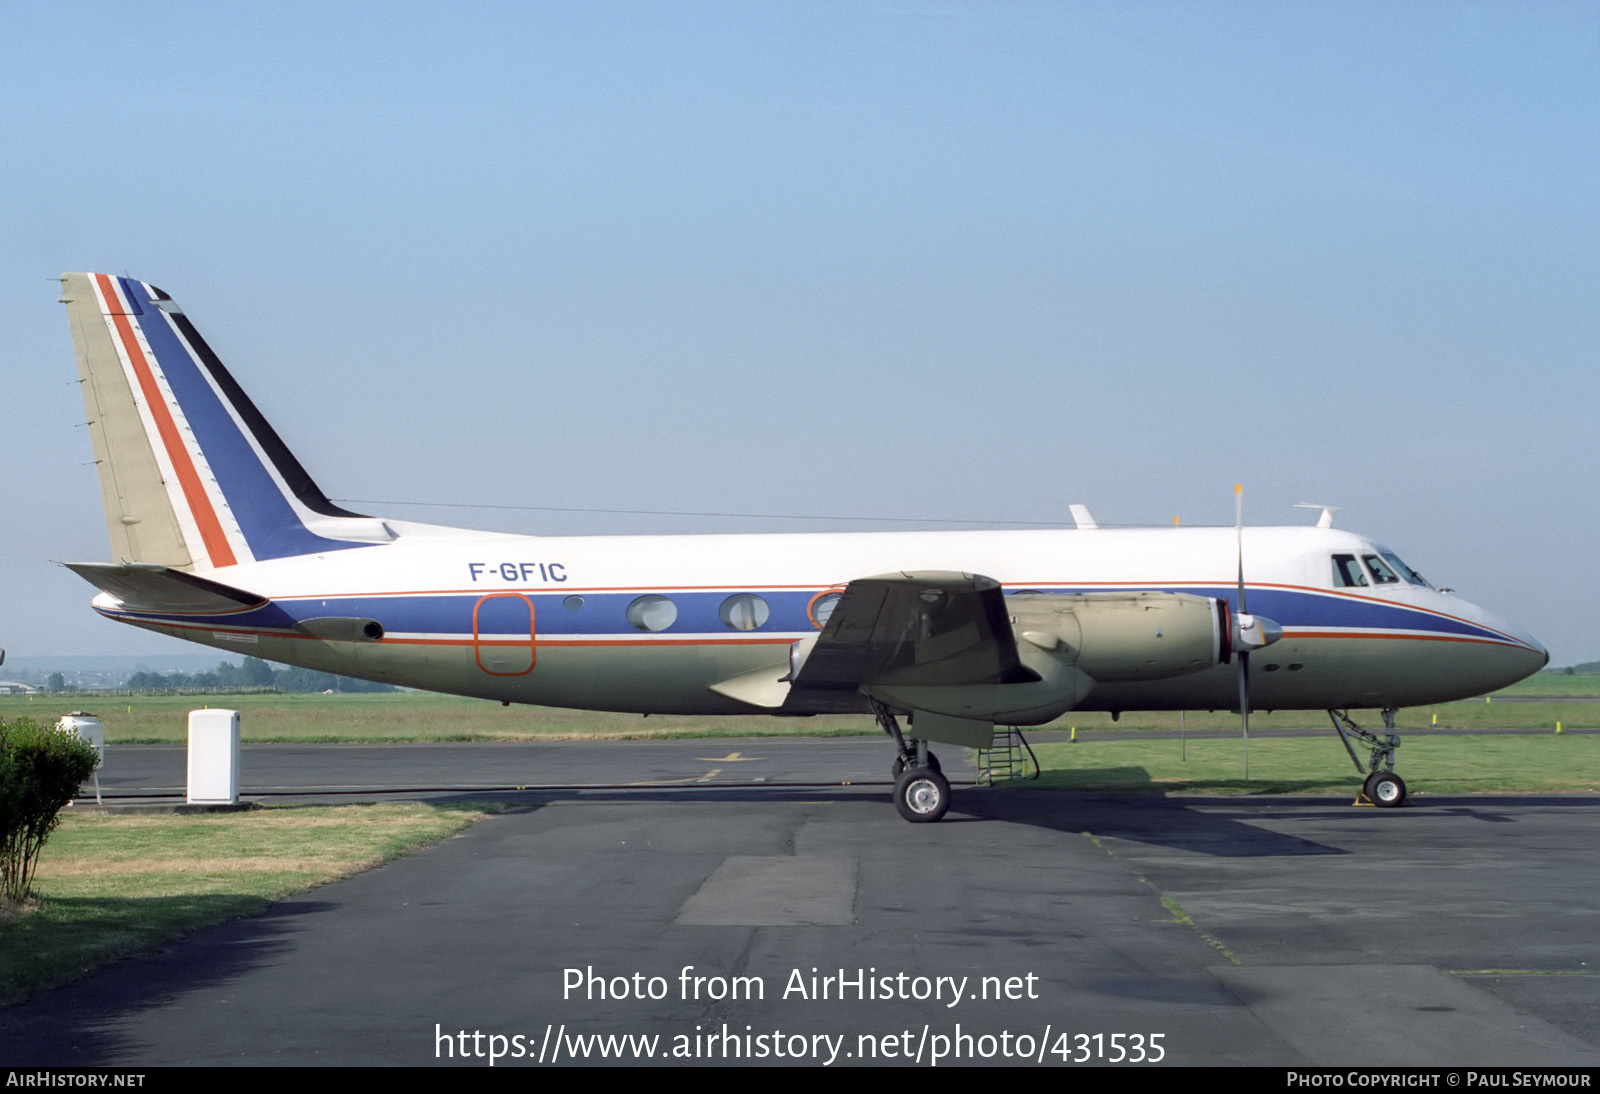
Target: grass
x,y
1558,683
1469,714
423,716
402,716
1319,765
110,885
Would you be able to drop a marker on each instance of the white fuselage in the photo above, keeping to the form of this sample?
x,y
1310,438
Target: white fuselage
x,y
561,622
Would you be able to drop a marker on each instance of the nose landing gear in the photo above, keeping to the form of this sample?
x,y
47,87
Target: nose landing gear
x,y
1382,787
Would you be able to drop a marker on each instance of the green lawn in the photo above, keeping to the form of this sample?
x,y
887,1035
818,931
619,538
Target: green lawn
x,y
399,716
1541,764
423,716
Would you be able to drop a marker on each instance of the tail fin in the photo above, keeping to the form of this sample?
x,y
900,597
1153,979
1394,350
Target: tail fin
x,y
191,474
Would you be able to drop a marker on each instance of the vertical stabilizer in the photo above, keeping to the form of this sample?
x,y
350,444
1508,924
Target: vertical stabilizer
x,y
192,476
139,518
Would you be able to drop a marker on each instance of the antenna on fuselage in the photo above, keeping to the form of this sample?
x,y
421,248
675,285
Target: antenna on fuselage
x,y
1084,519
1326,519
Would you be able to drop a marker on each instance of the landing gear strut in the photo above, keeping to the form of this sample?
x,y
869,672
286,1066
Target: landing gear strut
x,y
921,792
899,764
1382,787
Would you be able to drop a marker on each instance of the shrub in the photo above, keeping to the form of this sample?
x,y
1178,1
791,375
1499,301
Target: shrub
x,y
40,770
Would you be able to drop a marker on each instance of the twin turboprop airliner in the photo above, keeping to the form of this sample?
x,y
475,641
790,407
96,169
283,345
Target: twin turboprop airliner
x,y
221,537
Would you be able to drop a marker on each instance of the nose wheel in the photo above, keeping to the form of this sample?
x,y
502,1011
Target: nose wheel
x,y
1384,789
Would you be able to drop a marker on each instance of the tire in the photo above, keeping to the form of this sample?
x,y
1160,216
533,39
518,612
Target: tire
x,y
921,795
1385,789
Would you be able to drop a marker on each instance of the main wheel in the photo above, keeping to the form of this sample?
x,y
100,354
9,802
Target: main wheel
x,y
921,795
1385,789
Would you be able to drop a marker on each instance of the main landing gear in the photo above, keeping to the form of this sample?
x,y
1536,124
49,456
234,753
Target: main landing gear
x,y
1382,787
921,792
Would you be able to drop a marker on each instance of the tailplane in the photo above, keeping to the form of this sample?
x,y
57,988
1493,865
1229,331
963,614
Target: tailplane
x,y
192,476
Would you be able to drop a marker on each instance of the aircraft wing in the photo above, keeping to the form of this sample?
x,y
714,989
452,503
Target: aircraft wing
x,y
912,629
907,629
945,647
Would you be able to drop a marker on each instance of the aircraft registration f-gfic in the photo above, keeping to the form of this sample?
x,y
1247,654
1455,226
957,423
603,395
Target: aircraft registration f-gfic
x,y
221,537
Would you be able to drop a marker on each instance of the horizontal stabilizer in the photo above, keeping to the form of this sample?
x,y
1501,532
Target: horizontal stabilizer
x,y
151,587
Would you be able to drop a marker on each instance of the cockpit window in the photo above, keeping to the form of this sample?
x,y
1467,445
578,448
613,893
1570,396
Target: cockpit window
x,y
1403,570
1347,572
1380,570
1384,567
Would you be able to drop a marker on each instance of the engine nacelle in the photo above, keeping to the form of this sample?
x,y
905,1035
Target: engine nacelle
x,y
1059,688
1115,637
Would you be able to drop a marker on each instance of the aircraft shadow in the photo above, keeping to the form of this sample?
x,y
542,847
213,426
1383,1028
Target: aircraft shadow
x,y
1144,817
77,1025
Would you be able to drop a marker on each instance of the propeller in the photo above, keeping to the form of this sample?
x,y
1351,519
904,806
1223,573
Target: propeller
x,y
1250,632
1240,616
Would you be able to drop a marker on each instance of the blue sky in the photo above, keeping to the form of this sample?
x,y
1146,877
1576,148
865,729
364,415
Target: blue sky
x,y
885,260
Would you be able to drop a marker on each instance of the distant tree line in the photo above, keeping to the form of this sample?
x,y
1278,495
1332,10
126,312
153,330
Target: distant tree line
x,y
253,673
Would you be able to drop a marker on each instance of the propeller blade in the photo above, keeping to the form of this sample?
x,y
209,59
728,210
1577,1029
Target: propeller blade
x,y
1240,611
1244,707
1238,532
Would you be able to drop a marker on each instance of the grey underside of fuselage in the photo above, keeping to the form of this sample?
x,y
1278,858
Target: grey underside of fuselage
x,y
1295,674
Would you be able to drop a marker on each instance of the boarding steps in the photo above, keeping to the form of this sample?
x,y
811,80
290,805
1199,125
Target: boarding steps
x,y
1008,757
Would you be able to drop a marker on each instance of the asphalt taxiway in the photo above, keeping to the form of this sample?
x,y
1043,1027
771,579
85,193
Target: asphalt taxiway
x,y
761,901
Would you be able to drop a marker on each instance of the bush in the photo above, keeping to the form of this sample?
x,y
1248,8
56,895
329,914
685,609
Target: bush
x,y
40,770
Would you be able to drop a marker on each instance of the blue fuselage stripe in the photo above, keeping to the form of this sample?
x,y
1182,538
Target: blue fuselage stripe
x,y
450,615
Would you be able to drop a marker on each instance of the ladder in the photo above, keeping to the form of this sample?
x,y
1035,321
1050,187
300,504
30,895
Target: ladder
x,y
1007,757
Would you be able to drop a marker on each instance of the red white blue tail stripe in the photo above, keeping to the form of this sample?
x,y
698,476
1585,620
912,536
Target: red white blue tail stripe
x,y
238,493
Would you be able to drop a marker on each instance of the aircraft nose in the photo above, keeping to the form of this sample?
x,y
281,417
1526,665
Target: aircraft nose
x,y
1522,655
1533,657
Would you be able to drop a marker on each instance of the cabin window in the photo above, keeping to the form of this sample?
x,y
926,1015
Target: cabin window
x,y
744,611
652,613
822,607
572,603
1347,573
